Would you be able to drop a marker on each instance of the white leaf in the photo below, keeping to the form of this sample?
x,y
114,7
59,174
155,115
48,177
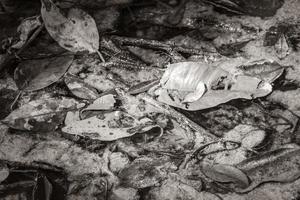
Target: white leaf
x,y
105,102
196,86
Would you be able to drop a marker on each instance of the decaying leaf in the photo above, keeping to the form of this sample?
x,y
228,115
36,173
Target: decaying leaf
x,y
225,174
109,126
105,102
75,30
34,75
44,114
79,88
196,86
25,29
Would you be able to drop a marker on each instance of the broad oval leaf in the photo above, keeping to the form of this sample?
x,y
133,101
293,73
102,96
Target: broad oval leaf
x,y
225,174
44,114
109,126
34,75
75,30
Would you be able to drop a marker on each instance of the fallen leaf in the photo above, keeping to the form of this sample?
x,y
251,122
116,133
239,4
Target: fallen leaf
x,y
79,88
105,102
225,174
109,126
281,47
75,30
34,75
196,86
281,165
4,172
44,114
25,29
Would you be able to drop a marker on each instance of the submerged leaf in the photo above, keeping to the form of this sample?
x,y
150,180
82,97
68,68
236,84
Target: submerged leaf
x,y
75,31
226,173
44,114
4,172
79,88
34,75
109,126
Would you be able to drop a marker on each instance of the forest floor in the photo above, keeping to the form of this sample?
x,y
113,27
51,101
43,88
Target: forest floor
x,y
155,100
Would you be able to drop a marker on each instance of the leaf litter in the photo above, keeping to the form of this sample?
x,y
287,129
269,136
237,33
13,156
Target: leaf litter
x,y
192,107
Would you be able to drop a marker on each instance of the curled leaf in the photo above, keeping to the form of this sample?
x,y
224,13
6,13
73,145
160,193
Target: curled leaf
x,y
34,75
226,174
196,86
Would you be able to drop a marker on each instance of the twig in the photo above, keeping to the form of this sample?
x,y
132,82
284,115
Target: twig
x,y
154,44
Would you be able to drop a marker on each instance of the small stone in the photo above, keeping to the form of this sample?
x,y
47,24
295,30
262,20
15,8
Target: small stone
x,y
121,193
118,161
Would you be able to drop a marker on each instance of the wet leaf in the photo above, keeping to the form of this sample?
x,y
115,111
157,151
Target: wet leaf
x,y
25,29
79,88
34,75
4,172
226,174
196,86
109,126
281,165
44,114
75,30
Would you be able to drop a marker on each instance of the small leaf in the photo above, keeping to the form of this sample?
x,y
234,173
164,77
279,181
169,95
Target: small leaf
x,y
75,30
282,47
44,114
105,102
37,74
25,29
79,88
4,172
225,174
